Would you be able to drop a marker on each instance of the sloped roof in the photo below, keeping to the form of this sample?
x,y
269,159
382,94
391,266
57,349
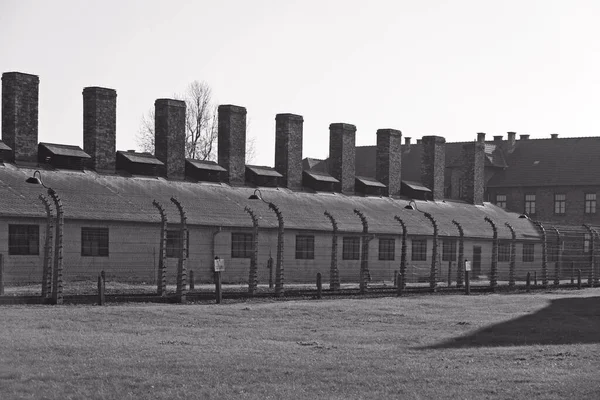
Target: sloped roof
x,y
4,146
550,162
140,158
205,165
87,195
263,171
370,182
416,186
65,150
321,176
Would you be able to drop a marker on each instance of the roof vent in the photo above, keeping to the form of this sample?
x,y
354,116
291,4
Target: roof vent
x,y
554,136
138,163
524,137
62,155
498,138
262,176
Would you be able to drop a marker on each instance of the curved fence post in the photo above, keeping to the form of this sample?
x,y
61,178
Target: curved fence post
x,y
461,254
253,273
47,269
364,256
57,278
161,279
559,254
513,251
494,268
593,276
434,252
544,254
181,263
334,274
403,254
279,273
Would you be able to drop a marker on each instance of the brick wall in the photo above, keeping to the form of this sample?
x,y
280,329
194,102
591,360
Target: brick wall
x,y
100,127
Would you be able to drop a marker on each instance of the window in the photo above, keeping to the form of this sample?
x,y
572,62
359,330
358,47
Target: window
x,y
387,247
528,252
560,204
94,242
24,240
419,250
552,251
586,242
590,203
305,247
501,200
530,204
241,245
503,251
174,243
351,248
449,250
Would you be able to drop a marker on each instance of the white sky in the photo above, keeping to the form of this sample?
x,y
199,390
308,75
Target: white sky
x,y
448,68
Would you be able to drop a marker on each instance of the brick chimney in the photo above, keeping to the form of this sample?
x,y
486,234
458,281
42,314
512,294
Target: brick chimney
x,y
288,149
481,137
342,155
433,165
554,136
20,99
473,155
497,138
523,137
169,136
232,143
100,127
388,167
511,138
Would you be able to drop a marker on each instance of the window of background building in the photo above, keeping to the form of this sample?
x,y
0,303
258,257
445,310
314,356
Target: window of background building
x,y
351,248
305,247
528,249
387,248
530,204
94,242
241,245
24,240
586,242
449,250
560,203
503,251
501,200
419,250
174,243
590,203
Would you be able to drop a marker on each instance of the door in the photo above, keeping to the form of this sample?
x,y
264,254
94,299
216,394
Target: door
x,y
476,261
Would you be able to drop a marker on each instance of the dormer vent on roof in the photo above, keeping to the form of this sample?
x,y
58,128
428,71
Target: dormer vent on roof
x,y
370,186
6,153
62,155
262,176
203,170
319,181
138,163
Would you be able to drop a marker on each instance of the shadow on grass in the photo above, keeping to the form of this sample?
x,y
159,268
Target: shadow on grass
x,y
564,321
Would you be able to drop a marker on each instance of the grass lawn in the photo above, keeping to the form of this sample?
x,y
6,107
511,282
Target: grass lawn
x,y
497,346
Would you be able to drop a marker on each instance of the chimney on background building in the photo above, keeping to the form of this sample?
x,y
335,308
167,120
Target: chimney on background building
x,y
232,143
407,141
100,127
288,149
473,156
554,136
388,166
524,137
481,137
433,165
169,136
20,101
342,157
511,138
498,138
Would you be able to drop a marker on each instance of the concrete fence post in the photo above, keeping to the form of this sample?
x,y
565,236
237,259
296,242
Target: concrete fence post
x,y
57,279
334,275
461,254
162,253
403,252
253,271
364,254
47,268
181,263
494,267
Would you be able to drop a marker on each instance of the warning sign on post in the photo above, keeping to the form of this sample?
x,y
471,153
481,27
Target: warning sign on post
x,y
467,265
219,265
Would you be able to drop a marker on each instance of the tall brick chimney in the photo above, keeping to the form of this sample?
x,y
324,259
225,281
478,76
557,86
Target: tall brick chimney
x,y
342,155
388,167
473,155
232,143
100,127
481,137
20,100
169,136
433,165
288,149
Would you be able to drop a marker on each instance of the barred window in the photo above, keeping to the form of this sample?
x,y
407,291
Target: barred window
x,y
528,249
174,243
530,204
94,242
501,200
24,240
387,249
305,247
351,248
241,245
503,251
560,204
449,250
419,250
590,203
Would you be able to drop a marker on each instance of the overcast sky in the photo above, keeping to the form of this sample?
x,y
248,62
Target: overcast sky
x,y
448,68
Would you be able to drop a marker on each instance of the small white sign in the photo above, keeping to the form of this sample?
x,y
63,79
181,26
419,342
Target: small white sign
x,y
219,265
467,265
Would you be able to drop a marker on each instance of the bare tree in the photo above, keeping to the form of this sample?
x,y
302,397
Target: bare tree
x,y
201,125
